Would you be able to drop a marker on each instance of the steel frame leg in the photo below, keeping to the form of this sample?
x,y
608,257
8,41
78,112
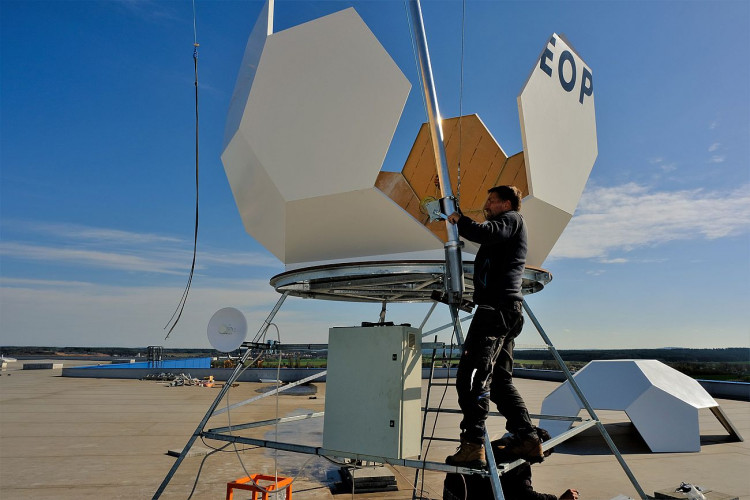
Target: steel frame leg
x,y
234,376
589,409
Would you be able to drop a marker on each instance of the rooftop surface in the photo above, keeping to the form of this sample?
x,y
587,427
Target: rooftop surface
x,y
70,438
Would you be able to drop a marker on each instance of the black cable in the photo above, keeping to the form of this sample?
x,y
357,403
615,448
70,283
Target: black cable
x,y
207,445
183,299
200,469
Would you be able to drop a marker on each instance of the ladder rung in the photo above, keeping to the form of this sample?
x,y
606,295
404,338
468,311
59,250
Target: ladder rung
x,y
454,440
498,414
557,417
442,410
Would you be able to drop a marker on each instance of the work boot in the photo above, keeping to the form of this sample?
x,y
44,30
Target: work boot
x,y
528,447
470,455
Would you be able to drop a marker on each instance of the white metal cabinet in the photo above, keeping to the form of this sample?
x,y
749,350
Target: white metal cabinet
x,y
373,391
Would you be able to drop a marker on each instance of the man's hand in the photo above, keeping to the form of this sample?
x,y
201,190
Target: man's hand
x,y
453,218
569,495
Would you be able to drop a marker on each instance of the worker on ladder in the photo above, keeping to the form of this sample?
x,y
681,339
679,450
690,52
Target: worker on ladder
x,y
486,366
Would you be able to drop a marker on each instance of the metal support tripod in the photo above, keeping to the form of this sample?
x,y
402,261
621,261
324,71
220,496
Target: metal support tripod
x,y
496,470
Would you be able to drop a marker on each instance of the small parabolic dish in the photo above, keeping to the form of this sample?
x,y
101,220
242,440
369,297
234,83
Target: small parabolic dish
x,y
227,329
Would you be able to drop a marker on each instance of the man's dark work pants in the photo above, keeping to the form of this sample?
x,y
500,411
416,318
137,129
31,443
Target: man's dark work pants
x,y
485,372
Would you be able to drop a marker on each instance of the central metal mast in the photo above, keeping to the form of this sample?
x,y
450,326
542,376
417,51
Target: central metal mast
x,y
454,272
454,276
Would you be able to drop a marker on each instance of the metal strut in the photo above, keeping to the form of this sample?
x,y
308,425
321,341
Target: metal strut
x,y
234,376
589,409
494,469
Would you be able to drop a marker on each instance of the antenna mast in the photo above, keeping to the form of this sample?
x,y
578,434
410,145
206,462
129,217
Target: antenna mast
x,y
454,274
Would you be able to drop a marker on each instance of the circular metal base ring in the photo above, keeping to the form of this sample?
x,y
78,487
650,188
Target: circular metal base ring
x,y
385,281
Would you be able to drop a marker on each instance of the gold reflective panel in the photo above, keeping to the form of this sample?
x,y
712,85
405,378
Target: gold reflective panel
x,y
483,163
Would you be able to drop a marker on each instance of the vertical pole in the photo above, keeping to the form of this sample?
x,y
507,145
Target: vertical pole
x,y
234,376
269,26
582,398
454,272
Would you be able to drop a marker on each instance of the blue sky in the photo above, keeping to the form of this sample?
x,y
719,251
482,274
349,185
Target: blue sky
x,y
97,167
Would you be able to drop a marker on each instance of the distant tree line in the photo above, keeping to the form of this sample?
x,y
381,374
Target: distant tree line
x,y
731,363
665,355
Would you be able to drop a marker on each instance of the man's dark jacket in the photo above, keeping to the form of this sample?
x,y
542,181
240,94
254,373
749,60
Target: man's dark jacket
x,y
499,264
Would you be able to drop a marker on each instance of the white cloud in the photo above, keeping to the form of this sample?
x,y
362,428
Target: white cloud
x,y
713,147
81,232
595,272
10,282
249,259
36,312
92,258
717,159
668,167
97,315
88,312
626,217
148,10
660,162
106,248
618,260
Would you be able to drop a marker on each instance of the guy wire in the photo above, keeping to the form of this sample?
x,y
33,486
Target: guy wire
x,y
460,104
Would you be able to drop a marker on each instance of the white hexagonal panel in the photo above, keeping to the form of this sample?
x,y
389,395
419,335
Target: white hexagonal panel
x,y
317,121
350,225
558,125
250,60
545,223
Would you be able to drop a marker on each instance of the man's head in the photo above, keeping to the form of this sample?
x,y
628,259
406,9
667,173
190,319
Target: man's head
x,y
501,199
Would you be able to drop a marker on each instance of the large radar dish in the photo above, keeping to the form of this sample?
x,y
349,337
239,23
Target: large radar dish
x,y
227,329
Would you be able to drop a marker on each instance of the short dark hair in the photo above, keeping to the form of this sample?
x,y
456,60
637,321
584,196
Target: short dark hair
x,y
508,193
